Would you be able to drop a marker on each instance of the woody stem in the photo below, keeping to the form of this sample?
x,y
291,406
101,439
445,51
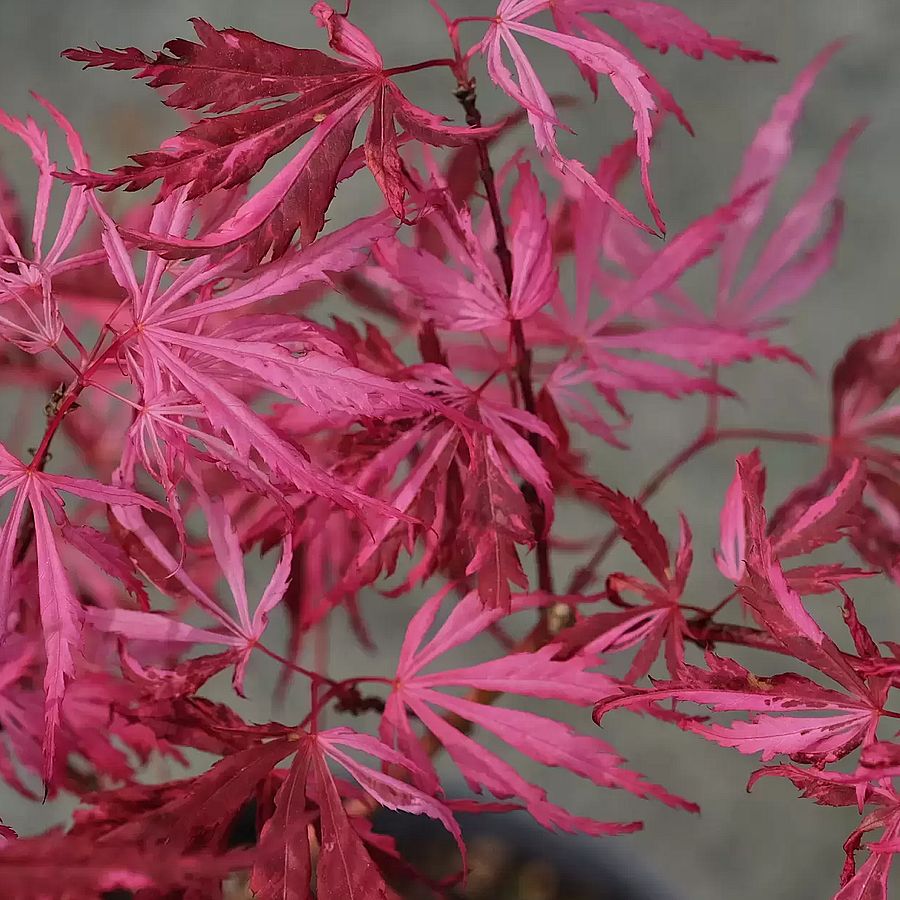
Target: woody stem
x,y
55,417
466,95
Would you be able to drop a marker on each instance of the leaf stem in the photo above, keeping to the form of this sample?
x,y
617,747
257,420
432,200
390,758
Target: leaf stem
x,y
55,416
308,673
713,632
463,19
94,361
707,614
415,67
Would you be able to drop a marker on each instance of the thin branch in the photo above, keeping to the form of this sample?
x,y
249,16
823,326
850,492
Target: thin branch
x,y
583,576
765,434
466,95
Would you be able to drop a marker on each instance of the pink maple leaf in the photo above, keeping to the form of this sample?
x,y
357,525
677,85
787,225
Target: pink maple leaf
x,y
547,741
172,347
60,612
659,26
647,626
480,302
844,719
625,73
840,721
792,260
602,347
781,275
862,384
242,633
799,529
29,304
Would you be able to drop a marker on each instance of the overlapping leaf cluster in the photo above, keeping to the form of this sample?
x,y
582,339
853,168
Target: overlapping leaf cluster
x,y
201,406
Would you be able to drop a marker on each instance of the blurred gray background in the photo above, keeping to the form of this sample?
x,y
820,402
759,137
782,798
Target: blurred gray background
x,y
767,844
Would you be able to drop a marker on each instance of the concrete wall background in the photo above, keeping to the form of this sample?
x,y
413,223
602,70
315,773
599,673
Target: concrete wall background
x,y
768,844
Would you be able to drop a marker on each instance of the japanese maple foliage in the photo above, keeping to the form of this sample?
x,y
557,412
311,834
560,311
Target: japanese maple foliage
x,y
203,408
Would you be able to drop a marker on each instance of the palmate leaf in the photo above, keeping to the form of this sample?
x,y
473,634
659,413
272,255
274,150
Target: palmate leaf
x,y
30,316
864,420
37,494
456,303
835,721
240,634
344,868
660,26
625,73
183,815
494,514
661,620
174,348
596,53
802,525
864,384
793,259
462,480
791,262
272,95
787,714
547,741
603,347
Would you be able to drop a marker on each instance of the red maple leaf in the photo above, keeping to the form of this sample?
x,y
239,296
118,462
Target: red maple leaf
x,y
38,494
826,788
200,811
661,618
280,93
864,421
863,383
41,866
846,718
